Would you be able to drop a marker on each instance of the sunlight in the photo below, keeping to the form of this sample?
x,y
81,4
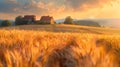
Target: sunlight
x,y
91,17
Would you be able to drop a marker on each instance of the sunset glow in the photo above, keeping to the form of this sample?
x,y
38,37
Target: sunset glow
x,y
78,9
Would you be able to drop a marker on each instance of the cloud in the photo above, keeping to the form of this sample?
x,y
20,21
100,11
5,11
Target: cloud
x,y
56,8
36,7
15,7
85,4
7,6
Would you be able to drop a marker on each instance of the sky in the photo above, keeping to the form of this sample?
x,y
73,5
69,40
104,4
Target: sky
x,y
59,9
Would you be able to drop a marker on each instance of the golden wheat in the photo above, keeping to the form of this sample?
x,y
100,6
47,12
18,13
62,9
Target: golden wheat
x,y
20,48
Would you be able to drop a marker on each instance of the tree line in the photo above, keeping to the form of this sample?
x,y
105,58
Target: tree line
x,y
19,21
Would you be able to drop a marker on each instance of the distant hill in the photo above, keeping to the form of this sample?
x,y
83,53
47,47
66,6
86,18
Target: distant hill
x,y
106,22
82,22
109,22
87,23
60,20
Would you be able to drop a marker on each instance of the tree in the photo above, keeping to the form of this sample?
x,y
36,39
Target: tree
x,y
68,20
19,21
6,23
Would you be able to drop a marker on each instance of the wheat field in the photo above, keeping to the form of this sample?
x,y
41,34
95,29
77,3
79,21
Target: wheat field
x,y
65,28
23,48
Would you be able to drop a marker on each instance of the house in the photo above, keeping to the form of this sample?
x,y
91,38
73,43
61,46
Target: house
x,y
47,20
29,18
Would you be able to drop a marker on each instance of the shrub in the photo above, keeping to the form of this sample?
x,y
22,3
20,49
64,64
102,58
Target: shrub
x,y
6,23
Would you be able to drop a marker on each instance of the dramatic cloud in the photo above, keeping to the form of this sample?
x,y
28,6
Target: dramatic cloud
x,y
35,7
86,4
7,5
56,8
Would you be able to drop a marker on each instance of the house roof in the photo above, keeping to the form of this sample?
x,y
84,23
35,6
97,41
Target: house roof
x,y
46,18
29,17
